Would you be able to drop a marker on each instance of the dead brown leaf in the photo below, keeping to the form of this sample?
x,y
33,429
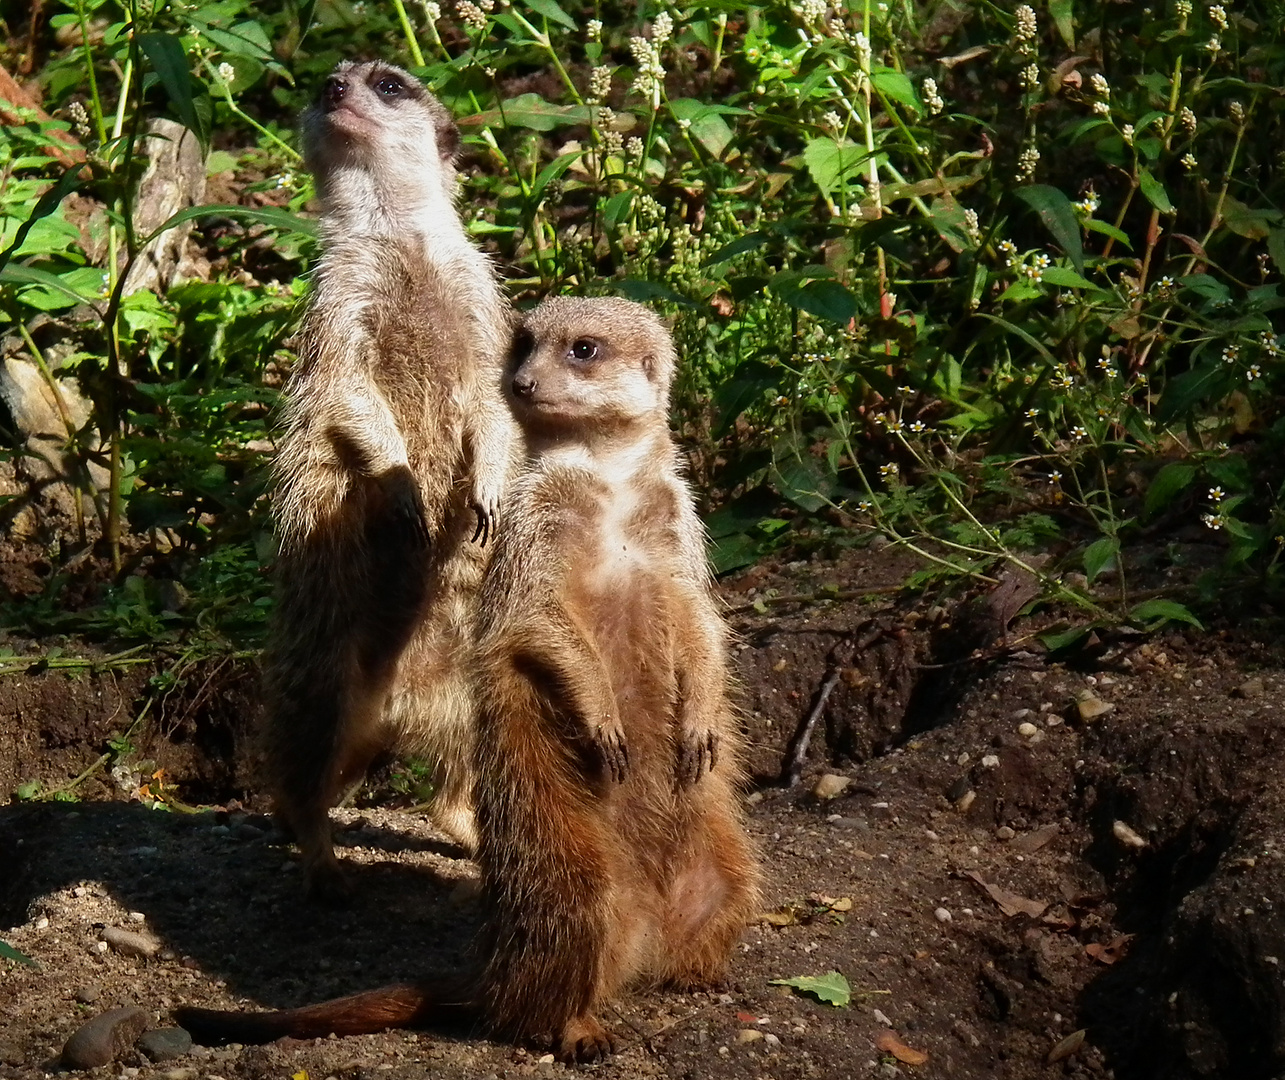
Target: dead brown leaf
x,y
780,917
1067,1046
1031,842
1110,952
1009,903
889,1042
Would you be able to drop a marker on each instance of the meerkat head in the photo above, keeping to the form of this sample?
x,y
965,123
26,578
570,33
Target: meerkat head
x,y
375,129
582,366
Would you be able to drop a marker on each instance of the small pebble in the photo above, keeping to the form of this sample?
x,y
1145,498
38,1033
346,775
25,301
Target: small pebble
x,y
103,1039
942,915
1091,707
165,1044
137,916
42,923
79,891
128,943
87,995
1021,714
98,947
831,786
749,1035
1005,833
1250,688
545,1061
1053,720
882,1017
771,1039
1127,836
990,761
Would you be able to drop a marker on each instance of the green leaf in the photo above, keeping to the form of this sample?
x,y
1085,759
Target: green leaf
x,y
1276,248
1068,279
1154,191
1063,18
169,61
272,216
748,242
825,299
1169,483
951,225
830,989
551,11
30,275
706,123
1058,217
1106,229
732,552
1184,392
1060,640
552,171
617,209
831,163
528,111
45,205
10,953
1153,613
897,86
1100,555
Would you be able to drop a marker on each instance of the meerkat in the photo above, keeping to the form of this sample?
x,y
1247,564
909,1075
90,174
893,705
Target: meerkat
x,y
613,850
396,447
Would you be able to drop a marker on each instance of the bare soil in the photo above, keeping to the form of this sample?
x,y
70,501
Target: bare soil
x,y
987,888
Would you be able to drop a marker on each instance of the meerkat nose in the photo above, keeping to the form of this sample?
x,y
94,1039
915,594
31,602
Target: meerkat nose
x,y
333,92
524,384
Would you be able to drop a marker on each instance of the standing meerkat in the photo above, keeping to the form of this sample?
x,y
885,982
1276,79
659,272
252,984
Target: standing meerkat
x,y
612,845
397,444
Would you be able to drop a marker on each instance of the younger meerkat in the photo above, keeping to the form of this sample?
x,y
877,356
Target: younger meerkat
x,y
613,850
396,448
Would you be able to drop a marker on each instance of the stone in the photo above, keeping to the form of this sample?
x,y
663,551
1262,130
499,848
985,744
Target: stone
x,y
942,915
165,1044
831,786
1126,836
1250,688
87,995
1091,707
1026,729
129,943
749,1035
103,1039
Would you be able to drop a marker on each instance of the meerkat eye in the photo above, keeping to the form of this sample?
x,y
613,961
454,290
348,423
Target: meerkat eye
x,y
585,349
389,86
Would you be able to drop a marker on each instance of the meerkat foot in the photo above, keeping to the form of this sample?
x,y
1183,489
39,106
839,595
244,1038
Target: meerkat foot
x,y
406,504
584,1040
609,741
697,755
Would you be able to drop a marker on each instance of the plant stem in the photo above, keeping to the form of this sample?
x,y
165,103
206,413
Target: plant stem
x,y
409,32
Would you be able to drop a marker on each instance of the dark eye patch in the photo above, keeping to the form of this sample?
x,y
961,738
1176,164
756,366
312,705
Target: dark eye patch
x,y
523,345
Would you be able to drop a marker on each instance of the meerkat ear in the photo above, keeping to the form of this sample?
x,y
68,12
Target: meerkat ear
x,y
448,140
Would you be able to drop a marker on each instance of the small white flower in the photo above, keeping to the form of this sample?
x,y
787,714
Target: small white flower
x,y
919,427
470,14
432,10
1165,283
1026,162
864,506
1078,432
1098,83
1187,119
1026,25
599,84
1254,372
1101,108
971,225
1033,272
781,400
634,148
832,120
895,425
932,98
891,469
1214,45
1055,477
593,29
227,72
1216,494
1032,414
662,28
1231,354
1126,133
1213,521
1183,8
1031,76
1188,161
1218,16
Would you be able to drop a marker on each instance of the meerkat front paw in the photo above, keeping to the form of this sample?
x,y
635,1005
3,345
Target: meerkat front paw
x,y
406,506
609,740
697,754
485,503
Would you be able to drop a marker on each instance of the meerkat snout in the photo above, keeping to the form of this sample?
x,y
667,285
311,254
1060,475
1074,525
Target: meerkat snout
x,y
524,384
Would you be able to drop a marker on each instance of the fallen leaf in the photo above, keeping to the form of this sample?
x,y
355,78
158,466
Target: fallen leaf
x,y
1009,903
888,1042
747,1018
780,917
1067,1046
1031,842
1112,951
831,988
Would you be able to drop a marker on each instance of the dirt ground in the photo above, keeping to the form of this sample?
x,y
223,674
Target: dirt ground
x,y
997,874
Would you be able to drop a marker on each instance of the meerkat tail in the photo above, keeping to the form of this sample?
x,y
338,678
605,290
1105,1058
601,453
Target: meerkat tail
x,y
407,1005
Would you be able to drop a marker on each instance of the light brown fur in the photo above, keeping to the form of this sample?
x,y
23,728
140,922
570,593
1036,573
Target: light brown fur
x,y
396,447
612,846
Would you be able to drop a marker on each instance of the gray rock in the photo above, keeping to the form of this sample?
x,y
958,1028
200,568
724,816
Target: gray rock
x,y
129,943
103,1039
87,995
165,1044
